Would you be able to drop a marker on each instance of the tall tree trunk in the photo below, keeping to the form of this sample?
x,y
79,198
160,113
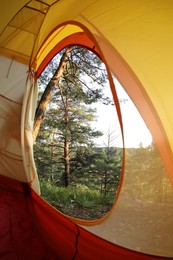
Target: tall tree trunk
x,y
45,99
66,144
105,182
67,162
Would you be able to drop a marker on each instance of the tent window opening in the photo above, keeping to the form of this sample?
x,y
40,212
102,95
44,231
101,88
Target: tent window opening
x,y
78,145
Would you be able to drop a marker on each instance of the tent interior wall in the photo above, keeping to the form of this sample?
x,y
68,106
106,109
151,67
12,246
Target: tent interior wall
x,y
134,39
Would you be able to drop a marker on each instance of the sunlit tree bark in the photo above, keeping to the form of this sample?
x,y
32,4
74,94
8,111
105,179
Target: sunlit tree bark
x,y
46,96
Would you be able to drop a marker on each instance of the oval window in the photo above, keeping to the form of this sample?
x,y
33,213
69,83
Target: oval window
x,y
78,146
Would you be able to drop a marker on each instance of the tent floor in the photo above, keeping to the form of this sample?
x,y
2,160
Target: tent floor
x,y
26,220
19,239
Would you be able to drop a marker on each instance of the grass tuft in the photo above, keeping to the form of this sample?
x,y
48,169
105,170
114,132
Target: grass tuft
x,y
79,201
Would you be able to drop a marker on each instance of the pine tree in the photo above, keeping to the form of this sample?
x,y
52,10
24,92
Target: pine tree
x,y
68,111
109,165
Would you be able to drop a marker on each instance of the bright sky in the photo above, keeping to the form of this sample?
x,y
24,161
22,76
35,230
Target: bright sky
x,y
135,130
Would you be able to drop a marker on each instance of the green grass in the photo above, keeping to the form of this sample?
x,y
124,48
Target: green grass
x,y
79,201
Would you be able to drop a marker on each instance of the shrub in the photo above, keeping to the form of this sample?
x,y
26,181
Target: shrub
x,y
79,201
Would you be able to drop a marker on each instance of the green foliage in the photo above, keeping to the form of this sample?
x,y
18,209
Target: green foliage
x,y
64,151
86,202
146,177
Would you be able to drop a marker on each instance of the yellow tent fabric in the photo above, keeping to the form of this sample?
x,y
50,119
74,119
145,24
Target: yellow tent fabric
x,y
135,40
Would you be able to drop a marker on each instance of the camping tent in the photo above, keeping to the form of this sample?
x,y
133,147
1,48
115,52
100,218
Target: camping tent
x,y
134,39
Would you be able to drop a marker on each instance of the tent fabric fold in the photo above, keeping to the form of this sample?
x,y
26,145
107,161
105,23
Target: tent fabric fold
x,y
19,236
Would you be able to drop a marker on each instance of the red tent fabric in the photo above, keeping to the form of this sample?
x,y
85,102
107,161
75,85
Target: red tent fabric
x,y
31,229
19,237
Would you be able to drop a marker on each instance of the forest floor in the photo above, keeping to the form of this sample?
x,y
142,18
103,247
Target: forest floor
x,y
86,213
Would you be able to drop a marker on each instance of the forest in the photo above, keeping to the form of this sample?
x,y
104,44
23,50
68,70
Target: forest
x,y
66,157
78,177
